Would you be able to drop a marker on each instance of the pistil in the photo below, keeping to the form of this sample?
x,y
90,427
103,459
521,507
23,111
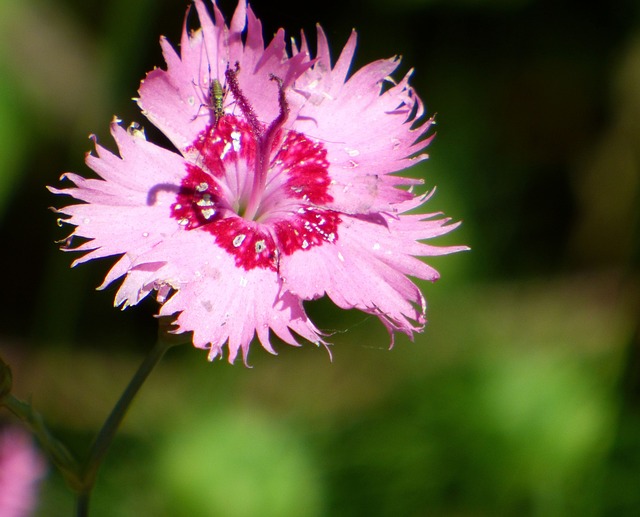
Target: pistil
x,y
265,138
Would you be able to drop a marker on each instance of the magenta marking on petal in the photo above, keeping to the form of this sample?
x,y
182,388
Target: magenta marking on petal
x,y
210,194
250,244
306,165
199,200
310,227
229,140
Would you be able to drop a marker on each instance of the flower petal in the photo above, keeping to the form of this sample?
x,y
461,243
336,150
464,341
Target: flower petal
x,y
367,267
217,301
128,211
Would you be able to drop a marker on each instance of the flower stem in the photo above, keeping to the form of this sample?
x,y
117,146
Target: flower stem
x,y
58,453
107,433
82,504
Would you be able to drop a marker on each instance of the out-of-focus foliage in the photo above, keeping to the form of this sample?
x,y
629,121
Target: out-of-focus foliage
x,y
522,397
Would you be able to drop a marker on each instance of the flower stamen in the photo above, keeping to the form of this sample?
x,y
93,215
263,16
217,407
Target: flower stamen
x,y
242,102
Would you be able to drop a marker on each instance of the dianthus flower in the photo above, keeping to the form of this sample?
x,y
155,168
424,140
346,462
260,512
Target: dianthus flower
x,y
21,468
282,189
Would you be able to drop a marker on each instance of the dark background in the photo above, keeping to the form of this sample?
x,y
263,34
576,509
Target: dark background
x,y
522,395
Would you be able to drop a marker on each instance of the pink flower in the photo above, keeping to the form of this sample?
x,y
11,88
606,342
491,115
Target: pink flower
x,y
282,190
21,467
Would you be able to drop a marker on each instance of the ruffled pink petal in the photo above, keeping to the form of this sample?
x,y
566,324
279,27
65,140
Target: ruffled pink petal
x,y
217,301
128,211
361,161
177,99
367,268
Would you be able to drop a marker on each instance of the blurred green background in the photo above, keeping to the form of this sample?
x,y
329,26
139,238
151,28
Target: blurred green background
x,y
522,396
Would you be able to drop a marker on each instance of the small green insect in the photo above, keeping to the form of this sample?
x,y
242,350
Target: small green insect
x,y
214,102
216,98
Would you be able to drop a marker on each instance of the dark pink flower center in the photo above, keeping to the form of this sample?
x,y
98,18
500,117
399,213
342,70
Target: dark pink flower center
x,y
220,187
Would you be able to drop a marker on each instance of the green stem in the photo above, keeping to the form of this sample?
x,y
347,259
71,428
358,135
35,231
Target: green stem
x,y
59,454
107,433
82,504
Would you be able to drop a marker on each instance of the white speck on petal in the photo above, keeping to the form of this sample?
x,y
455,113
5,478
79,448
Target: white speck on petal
x,y
205,201
183,222
305,244
352,152
202,187
208,213
260,246
235,137
238,240
327,96
225,150
191,100
86,220
376,246
243,281
145,234
340,257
